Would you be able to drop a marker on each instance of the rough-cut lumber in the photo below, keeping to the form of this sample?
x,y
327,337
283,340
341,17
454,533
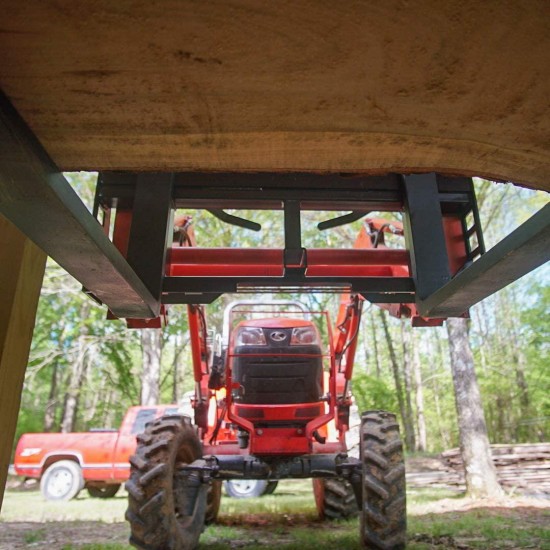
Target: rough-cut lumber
x,y
459,87
524,466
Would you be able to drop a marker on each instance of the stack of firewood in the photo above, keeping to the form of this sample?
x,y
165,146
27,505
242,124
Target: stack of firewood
x,y
524,467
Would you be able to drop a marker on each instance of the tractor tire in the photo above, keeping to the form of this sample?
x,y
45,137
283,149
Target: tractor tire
x,y
334,499
166,510
62,480
103,491
213,500
383,517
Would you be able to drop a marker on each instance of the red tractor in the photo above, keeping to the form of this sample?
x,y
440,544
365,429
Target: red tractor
x,y
275,405
273,402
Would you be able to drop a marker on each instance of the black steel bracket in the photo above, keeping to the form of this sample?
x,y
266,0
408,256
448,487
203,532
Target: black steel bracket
x,y
151,230
38,200
525,249
424,234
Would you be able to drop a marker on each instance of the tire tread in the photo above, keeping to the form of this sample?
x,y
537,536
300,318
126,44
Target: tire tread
x,y
383,518
151,512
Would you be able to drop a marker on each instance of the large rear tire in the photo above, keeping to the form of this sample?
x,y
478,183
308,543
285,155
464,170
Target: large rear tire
x,y
334,499
166,509
383,517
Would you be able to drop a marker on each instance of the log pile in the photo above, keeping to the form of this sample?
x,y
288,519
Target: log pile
x,y
524,467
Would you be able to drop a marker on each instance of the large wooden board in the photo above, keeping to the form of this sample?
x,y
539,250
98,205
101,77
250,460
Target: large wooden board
x,y
456,86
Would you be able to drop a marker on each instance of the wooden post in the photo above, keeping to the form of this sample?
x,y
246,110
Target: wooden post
x,y
22,266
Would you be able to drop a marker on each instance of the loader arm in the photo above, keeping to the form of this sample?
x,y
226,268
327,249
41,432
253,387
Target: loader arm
x,y
440,238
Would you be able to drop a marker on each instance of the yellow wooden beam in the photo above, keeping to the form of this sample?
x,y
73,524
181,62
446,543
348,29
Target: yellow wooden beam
x,y
22,266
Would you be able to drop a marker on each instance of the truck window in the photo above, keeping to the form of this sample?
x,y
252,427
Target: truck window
x,y
143,417
172,411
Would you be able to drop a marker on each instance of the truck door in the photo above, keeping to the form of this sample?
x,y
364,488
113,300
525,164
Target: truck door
x,y
126,443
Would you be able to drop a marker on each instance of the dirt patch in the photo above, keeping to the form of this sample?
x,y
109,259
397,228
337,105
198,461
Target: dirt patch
x,y
56,535
271,520
479,527
20,484
441,541
268,531
459,524
503,506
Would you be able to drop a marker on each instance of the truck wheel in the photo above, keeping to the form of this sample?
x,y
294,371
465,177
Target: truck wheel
x,y
245,488
62,480
213,500
383,518
334,498
103,491
166,510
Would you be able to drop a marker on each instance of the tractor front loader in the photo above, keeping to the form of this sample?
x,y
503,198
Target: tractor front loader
x,y
276,405
272,399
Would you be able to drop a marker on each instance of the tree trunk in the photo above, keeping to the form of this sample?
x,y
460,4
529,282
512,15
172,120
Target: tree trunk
x,y
409,430
421,443
72,397
523,431
151,348
178,350
108,410
51,405
175,385
407,371
98,395
480,474
78,370
481,321
374,340
446,437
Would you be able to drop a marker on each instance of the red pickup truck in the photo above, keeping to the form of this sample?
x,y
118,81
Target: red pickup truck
x,y
65,463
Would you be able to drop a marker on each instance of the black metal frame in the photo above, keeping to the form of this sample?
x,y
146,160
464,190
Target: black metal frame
x,y
525,249
40,202
424,234
424,199
235,466
151,230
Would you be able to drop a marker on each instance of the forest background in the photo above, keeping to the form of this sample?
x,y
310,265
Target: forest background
x,y
85,371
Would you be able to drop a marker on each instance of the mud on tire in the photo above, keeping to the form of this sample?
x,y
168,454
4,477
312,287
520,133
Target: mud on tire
x,y
334,498
383,517
166,510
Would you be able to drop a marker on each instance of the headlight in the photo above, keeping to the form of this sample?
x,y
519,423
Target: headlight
x,y
250,336
302,336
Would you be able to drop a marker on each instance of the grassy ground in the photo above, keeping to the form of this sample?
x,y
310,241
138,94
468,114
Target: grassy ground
x,y
287,520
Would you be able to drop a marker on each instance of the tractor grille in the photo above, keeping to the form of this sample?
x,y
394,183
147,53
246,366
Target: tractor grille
x,y
276,379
